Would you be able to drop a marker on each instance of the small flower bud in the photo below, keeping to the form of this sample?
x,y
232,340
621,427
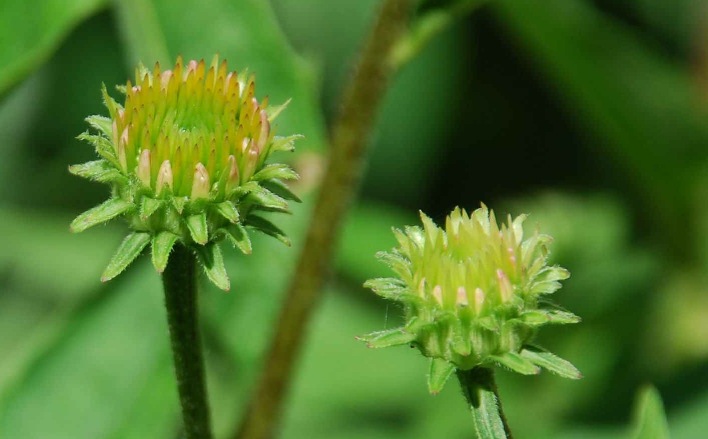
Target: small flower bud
x,y
505,289
472,254
144,167
164,177
462,299
233,179
200,184
479,298
437,294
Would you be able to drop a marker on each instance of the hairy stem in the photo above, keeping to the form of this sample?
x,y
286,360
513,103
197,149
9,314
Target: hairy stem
x,y
482,397
180,283
349,141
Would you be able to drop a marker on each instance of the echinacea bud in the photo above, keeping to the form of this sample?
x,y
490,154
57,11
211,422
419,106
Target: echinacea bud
x,y
164,177
144,167
200,183
183,155
471,294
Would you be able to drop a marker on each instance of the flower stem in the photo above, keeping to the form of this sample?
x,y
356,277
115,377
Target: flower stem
x,y
180,283
482,396
350,137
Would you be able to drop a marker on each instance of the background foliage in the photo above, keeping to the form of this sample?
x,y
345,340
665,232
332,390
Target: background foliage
x,y
587,114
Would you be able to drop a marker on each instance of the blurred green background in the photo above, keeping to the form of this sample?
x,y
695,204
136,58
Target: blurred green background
x,y
589,115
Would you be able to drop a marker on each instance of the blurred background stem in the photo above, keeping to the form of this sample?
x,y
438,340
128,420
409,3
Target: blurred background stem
x,y
428,26
350,137
180,283
144,40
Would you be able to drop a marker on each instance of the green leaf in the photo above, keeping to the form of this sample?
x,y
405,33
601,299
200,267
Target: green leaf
x,y
285,143
386,287
228,211
280,189
103,147
263,197
129,249
440,372
395,262
274,111
389,337
539,317
162,244
238,236
214,268
97,170
516,363
276,170
197,226
101,123
649,417
148,206
551,362
100,214
179,203
263,225
33,30
552,274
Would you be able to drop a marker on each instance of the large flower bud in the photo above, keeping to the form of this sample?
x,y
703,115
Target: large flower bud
x,y
174,156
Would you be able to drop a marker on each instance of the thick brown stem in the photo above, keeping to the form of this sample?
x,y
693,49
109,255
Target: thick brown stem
x,y
349,141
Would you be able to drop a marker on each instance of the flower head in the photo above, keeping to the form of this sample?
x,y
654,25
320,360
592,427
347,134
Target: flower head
x,y
472,295
185,156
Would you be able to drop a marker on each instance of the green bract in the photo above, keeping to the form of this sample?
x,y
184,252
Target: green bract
x,y
185,156
472,295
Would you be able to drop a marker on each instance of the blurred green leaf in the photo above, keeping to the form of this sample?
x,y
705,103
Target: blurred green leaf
x,y
641,104
85,384
591,238
40,253
650,420
142,35
30,31
366,232
691,421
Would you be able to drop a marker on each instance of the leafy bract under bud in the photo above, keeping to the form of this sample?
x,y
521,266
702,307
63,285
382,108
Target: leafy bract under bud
x,y
185,155
471,294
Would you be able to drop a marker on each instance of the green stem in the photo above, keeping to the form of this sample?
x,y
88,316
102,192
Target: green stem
x,y
482,396
350,137
180,283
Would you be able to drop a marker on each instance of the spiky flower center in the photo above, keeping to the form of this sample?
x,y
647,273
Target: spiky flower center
x,y
473,264
191,131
